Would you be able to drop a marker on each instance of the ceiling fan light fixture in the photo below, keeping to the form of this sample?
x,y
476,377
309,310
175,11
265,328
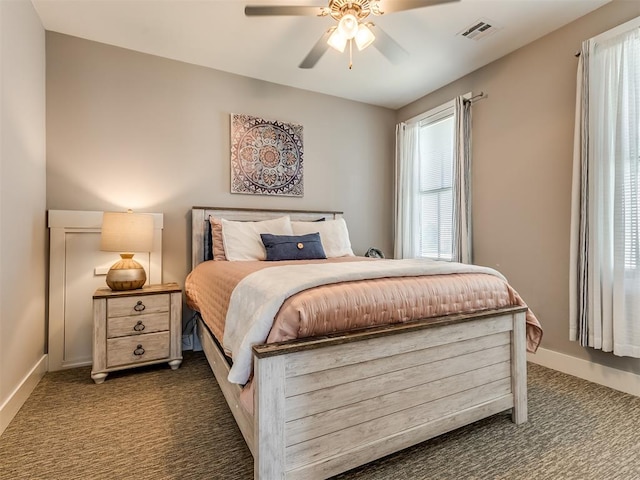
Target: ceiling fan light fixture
x,y
364,37
337,40
348,26
351,25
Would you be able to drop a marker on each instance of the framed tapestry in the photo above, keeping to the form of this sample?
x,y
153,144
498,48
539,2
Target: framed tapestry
x,y
266,157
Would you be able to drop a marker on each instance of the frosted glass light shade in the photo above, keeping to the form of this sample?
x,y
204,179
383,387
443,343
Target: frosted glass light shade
x,y
364,37
337,40
126,232
348,26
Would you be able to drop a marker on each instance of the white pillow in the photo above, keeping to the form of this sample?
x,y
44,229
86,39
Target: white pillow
x,y
242,239
333,235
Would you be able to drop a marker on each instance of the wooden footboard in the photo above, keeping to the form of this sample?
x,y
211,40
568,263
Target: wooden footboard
x,y
326,405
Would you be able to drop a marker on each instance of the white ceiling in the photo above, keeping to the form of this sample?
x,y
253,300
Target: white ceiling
x,y
216,34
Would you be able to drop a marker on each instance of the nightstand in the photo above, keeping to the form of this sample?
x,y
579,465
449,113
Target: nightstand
x,y
133,328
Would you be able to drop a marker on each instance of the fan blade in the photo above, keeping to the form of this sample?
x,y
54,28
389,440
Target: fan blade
x,y
388,46
317,51
390,6
262,10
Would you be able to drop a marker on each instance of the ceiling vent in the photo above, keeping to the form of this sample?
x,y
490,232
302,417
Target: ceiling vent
x,y
479,29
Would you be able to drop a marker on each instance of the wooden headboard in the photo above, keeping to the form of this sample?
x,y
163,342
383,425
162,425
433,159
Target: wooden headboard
x,y
200,222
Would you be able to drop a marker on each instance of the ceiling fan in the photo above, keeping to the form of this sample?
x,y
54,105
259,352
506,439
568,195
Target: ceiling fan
x,y
352,25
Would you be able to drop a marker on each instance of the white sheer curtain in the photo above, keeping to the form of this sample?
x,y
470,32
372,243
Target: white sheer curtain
x,y
605,247
407,175
406,186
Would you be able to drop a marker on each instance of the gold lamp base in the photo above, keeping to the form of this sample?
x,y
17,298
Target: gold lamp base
x,y
126,274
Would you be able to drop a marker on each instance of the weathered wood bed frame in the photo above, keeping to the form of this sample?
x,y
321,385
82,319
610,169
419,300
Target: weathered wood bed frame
x,y
325,405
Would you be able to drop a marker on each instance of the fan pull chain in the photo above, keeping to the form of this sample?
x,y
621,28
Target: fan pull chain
x,y
350,53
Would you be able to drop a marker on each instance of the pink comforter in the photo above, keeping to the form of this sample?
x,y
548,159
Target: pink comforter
x,y
351,305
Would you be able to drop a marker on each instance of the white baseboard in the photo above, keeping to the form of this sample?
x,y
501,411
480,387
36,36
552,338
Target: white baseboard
x,y
594,372
17,398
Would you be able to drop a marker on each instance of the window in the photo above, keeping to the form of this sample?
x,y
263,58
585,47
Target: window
x,y
432,194
435,190
614,137
631,211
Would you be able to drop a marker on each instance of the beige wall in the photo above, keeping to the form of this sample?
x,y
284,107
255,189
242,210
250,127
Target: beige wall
x,y
130,130
22,204
522,160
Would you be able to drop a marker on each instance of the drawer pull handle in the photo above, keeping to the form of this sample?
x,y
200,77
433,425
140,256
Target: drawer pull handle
x,y
138,327
139,306
139,350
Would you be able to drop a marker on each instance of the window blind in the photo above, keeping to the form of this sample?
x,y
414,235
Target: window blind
x,y
436,186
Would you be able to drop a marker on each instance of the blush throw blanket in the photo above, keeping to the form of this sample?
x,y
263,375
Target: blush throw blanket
x,y
256,299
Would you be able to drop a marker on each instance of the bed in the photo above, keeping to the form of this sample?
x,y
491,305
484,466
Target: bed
x,y
326,404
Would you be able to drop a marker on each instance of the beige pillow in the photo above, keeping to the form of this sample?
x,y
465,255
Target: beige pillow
x,y
333,235
216,239
242,239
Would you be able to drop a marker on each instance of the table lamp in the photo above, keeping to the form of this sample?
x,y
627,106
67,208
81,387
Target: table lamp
x,y
126,232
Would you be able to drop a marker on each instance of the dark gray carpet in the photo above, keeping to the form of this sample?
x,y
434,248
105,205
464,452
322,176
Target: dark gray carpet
x,y
154,423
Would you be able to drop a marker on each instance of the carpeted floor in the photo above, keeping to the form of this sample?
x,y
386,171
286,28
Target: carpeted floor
x,y
155,423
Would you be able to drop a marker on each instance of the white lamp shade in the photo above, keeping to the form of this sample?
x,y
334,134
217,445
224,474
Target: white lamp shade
x,y
337,40
126,232
348,26
364,37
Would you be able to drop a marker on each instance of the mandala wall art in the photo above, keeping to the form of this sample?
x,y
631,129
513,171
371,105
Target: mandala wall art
x,y
266,157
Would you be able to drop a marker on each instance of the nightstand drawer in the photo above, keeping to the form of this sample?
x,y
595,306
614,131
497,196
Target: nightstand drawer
x,y
139,305
137,325
137,349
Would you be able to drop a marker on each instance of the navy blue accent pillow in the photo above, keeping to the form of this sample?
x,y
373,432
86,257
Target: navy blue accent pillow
x,y
293,247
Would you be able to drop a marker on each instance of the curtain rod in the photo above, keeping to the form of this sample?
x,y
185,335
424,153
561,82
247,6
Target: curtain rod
x,y
418,118
475,98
